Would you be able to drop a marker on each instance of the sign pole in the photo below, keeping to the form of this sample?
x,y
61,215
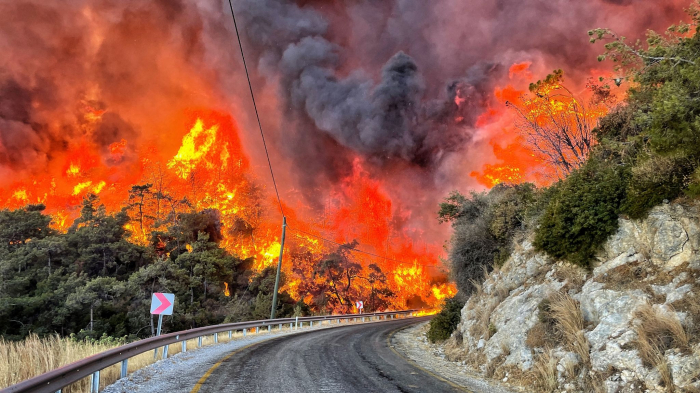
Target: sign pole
x,y
279,268
161,304
160,323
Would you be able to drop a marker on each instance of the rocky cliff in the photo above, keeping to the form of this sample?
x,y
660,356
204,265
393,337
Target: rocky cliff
x,y
630,324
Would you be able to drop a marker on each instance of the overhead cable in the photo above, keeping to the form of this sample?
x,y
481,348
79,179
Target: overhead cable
x,y
257,115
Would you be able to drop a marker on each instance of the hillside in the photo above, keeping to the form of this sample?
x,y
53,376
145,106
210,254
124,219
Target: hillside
x,y
628,325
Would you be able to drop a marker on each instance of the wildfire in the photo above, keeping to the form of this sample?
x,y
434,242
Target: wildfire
x,y
195,146
209,171
227,293
549,104
423,313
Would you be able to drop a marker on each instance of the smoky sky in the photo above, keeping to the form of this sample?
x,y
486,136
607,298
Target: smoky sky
x,y
397,83
405,81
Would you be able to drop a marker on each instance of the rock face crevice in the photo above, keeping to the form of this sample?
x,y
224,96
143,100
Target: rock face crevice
x,y
652,265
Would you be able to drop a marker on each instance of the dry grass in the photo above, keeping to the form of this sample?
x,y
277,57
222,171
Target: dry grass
x,y
573,275
477,294
545,372
537,336
691,306
493,365
34,356
626,277
543,335
482,326
454,348
658,331
560,323
515,375
567,312
476,359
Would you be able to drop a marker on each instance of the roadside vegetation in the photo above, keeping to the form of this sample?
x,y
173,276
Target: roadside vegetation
x,y
21,360
446,321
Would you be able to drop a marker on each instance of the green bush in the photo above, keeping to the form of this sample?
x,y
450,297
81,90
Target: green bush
x,y
484,227
583,212
656,178
444,323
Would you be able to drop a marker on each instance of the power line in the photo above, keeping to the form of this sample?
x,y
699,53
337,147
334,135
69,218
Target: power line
x,y
350,248
267,154
257,115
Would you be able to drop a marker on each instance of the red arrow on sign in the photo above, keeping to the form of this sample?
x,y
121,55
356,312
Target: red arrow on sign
x,y
164,303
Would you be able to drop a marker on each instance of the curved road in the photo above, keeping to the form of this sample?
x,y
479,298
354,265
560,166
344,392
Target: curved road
x,y
354,358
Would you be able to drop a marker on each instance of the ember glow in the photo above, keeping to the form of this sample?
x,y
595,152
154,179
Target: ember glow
x,y
209,171
373,114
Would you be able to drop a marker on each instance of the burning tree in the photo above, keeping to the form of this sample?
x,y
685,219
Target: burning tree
x,y
337,271
557,125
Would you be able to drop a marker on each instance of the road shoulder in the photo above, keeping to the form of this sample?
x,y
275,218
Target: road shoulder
x,y
181,372
412,344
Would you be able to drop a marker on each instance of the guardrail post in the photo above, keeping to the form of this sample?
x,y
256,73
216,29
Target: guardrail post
x,y
244,332
280,327
216,338
257,329
184,346
230,334
165,351
269,328
95,382
199,342
301,324
296,322
125,368
311,324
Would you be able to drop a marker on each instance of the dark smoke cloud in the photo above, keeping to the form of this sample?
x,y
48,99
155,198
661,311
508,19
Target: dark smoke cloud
x,y
393,118
399,83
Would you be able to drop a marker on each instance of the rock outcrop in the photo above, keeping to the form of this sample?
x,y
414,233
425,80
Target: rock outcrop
x,y
628,325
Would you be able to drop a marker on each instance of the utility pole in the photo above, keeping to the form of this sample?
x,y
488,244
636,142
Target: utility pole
x,y
279,269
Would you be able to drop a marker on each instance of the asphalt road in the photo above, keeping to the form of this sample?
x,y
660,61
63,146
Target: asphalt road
x,y
354,358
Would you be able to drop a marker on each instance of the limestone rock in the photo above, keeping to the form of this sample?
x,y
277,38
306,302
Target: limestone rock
x,y
668,238
513,318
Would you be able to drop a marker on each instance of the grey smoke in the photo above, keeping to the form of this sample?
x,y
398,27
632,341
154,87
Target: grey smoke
x,y
393,118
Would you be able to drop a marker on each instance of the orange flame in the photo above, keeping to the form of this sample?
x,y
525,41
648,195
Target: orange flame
x,y
210,171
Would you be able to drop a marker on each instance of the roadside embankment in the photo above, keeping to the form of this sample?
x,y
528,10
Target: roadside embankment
x,y
629,324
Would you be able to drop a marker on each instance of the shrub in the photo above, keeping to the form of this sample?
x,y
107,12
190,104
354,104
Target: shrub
x,y
445,322
583,213
484,227
509,211
655,178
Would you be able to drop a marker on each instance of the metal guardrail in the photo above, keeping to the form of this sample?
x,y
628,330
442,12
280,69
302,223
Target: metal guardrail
x,y
55,380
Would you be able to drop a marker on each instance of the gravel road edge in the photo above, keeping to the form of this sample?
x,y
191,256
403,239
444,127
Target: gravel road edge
x,y
411,343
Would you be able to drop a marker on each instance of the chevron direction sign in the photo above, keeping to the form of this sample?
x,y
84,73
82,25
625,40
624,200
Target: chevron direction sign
x,y
162,303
